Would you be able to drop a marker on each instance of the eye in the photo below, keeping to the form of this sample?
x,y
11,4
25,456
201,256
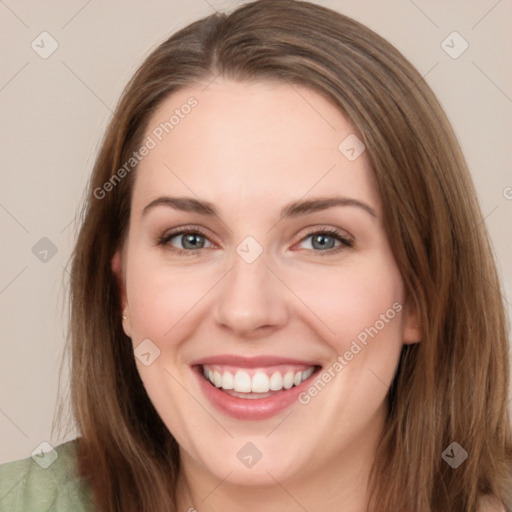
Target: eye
x,y
190,241
329,241
185,241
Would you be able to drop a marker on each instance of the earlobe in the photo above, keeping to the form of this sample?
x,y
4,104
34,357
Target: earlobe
x,y
412,335
126,323
413,331
117,269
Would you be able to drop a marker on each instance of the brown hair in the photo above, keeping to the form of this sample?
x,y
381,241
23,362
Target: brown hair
x,y
451,387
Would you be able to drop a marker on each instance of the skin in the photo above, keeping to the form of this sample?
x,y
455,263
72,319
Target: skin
x,y
250,149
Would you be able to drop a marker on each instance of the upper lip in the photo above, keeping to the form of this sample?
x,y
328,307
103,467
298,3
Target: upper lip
x,y
250,362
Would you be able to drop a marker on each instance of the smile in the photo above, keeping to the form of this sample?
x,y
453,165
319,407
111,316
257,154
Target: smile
x,y
247,382
253,388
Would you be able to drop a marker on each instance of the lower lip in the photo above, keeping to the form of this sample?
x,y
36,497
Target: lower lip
x,y
250,409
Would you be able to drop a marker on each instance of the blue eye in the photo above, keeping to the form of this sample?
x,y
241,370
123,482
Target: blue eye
x,y
326,241
186,241
192,241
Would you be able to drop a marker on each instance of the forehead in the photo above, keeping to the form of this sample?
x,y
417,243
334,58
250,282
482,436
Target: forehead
x,y
249,143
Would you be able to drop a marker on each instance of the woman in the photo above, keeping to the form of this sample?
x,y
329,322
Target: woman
x,y
282,293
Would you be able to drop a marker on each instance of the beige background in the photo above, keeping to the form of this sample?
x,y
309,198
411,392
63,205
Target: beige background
x,y
55,110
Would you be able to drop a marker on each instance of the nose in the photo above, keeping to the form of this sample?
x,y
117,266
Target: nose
x,y
251,302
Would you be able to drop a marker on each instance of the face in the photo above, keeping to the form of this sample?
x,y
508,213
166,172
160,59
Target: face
x,y
256,258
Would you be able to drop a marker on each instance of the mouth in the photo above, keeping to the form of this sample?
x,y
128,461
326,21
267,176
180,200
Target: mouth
x,y
251,389
258,383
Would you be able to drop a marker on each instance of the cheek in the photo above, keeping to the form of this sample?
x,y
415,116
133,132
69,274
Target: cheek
x,y
354,301
160,298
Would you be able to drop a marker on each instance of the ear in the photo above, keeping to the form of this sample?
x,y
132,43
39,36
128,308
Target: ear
x,y
413,329
117,268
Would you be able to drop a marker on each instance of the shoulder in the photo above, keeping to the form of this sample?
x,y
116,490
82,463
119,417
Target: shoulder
x,y
44,482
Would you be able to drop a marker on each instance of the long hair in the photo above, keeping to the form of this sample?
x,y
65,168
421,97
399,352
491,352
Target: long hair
x,y
450,387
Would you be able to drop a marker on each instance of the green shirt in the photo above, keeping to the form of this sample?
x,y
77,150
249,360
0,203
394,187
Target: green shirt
x,y
26,486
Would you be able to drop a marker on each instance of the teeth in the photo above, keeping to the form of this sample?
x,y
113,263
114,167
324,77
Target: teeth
x,y
307,374
288,380
260,383
228,381
242,382
276,381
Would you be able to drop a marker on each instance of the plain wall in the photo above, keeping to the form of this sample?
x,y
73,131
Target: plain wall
x,y
55,110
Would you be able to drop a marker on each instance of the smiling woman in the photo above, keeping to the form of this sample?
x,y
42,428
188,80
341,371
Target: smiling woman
x,y
290,303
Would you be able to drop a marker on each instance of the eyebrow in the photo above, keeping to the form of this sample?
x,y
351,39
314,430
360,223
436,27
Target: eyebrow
x,y
293,209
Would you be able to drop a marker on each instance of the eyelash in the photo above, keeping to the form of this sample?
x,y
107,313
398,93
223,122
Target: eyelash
x,y
345,242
